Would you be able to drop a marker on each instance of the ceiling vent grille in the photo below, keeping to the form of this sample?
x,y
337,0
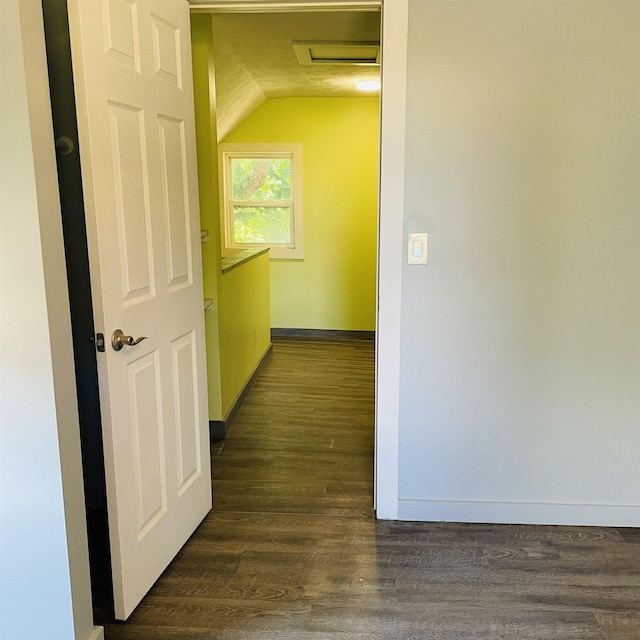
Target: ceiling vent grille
x,y
345,53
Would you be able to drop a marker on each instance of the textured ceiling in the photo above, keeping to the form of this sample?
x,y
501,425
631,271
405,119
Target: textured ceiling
x,y
254,59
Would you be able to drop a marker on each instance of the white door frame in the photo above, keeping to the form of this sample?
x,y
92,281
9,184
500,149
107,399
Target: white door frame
x,y
395,23
390,227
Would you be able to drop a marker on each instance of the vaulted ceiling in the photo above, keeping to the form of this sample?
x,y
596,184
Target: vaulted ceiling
x,y
255,59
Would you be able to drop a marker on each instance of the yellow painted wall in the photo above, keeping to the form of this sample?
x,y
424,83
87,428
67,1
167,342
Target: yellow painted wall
x,y
334,286
237,327
244,324
202,58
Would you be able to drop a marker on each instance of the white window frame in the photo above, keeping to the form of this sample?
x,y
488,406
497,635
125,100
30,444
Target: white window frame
x,y
231,150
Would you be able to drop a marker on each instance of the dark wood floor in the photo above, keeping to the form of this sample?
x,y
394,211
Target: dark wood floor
x,y
291,549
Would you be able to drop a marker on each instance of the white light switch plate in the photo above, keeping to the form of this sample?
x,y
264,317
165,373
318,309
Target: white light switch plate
x,y
417,248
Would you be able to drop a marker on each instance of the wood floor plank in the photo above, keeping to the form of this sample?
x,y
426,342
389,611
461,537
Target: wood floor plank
x,y
292,549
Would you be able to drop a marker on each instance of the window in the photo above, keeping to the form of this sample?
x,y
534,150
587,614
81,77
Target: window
x,y
262,197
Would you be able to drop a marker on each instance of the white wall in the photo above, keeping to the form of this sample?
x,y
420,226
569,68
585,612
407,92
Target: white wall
x,y
44,588
520,340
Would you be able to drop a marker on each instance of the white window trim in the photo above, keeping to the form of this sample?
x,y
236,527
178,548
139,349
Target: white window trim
x,y
229,150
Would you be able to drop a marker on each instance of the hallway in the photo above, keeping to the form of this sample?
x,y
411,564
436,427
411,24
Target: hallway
x,y
291,549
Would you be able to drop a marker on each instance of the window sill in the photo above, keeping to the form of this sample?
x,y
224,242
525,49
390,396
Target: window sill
x,y
241,257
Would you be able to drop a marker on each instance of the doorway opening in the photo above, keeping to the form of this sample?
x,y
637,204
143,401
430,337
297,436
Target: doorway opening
x,y
310,78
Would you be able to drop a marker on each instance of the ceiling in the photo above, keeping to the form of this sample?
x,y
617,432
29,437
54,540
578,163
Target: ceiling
x,y
254,58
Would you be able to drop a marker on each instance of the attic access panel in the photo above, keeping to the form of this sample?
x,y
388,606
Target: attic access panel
x,y
345,53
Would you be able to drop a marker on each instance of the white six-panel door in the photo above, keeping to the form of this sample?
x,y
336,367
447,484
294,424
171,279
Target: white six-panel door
x,y
132,72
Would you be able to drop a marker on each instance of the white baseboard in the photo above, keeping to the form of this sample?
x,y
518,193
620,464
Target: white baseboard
x,y
97,634
596,515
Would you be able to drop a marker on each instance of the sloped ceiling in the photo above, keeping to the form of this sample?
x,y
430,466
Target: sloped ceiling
x,y
254,58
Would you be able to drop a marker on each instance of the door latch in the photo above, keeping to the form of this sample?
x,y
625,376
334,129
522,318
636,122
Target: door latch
x,y
98,340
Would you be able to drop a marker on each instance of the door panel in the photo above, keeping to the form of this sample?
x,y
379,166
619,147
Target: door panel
x,y
120,29
187,438
132,207
150,485
166,51
132,72
175,201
